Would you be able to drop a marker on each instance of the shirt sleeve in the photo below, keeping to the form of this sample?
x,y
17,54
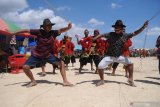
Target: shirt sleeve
x,y
55,33
73,46
34,32
129,35
106,35
80,42
89,38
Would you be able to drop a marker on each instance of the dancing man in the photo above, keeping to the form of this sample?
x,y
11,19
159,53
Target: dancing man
x,y
116,41
42,52
86,43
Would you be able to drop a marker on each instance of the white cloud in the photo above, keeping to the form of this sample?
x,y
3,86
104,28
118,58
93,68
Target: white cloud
x,y
79,30
114,5
94,21
154,31
34,18
63,8
31,18
7,6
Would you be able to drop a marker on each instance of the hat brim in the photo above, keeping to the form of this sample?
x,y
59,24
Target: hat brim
x,y
118,26
52,24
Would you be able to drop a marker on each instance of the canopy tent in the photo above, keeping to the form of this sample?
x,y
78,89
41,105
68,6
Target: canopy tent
x,y
6,25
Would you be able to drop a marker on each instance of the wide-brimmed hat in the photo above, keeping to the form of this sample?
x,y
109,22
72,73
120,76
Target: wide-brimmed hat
x,y
119,23
47,22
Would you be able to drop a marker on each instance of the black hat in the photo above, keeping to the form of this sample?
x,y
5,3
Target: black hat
x,y
96,30
86,30
47,22
119,23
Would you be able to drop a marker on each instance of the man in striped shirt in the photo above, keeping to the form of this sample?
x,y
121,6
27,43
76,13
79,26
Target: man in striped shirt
x,y
43,52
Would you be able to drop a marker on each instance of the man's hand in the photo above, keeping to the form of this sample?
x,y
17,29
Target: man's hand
x,y
11,33
69,25
76,36
65,29
146,24
141,29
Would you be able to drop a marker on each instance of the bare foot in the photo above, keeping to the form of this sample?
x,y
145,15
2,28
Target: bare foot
x,y
54,73
31,84
43,74
112,74
131,83
68,84
96,72
66,69
80,71
101,82
108,68
126,76
92,69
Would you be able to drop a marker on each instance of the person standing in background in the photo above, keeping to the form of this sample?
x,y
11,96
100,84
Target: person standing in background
x,y
158,51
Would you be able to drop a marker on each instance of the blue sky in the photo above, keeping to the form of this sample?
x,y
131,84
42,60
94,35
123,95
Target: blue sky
x,y
90,14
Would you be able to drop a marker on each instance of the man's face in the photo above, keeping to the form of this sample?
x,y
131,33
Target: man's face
x,y
86,32
119,30
47,28
70,38
96,33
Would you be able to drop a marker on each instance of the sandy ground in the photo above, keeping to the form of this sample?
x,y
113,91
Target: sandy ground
x,y
114,93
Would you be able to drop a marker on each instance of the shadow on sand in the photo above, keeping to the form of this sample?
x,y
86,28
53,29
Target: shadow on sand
x,y
84,72
148,82
106,81
50,73
38,81
156,78
110,74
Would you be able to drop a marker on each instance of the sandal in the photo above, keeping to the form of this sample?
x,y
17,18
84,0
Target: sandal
x,y
131,83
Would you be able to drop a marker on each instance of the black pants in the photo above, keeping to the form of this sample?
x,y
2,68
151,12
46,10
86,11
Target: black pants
x,y
73,59
95,58
69,59
83,60
115,64
66,60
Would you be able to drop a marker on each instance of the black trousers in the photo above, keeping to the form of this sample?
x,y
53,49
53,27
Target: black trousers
x,y
115,64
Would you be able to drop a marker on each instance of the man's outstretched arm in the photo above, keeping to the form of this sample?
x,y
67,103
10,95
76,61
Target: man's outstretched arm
x,y
65,29
78,41
98,36
141,29
20,32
